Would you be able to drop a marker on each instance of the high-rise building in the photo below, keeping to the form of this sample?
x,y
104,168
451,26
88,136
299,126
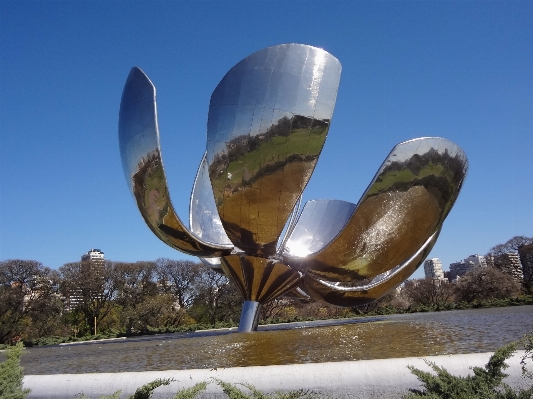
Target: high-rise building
x,y
477,260
90,271
458,269
433,269
526,258
509,263
94,259
92,268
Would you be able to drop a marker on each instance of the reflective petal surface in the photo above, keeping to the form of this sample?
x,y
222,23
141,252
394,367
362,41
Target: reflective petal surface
x,y
260,279
405,204
268,120
318,224
380,286
203,216
143,168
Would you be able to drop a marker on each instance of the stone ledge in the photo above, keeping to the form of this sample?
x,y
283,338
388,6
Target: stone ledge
x,y
380,378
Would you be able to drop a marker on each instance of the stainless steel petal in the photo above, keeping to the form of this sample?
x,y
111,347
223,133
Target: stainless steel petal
x,y
319,222
143,168
213,263
268,120
260,279
405,204
204,221
378,287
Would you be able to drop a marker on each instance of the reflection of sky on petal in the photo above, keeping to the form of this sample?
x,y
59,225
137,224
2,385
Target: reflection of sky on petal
x,y
318,70
405,151
211,262
151,139
243,121
137,150
301,247
296,59
319,223
215,148
263,84
256,121
266,120
220,147
288,92
204,220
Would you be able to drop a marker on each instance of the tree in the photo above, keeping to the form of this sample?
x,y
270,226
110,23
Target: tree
x,y
510,246
217,298
429,292
28,294
272,308
486,283
374,305
90,289
135,282
154,311
142,303
179,278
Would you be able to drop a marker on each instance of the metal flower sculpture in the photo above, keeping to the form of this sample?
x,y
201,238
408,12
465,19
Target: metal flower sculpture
x,y
268,121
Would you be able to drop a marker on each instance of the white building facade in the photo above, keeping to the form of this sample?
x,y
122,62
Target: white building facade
x,y
433,269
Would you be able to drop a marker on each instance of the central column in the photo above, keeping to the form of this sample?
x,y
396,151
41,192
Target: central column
x,y
259,280
251,310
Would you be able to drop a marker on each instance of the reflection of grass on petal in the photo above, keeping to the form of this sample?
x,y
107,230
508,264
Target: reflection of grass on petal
x,y
303,142
405,175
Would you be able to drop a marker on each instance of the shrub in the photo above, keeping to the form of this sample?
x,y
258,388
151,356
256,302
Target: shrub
x,y
144,392
528,346
11,374
191,393
233,392
486,383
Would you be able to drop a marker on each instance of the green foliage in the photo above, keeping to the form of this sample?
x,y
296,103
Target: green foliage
x,y
491,303
145,392
233,392
115,395
191,393
11,375
29,305
486,383
528,346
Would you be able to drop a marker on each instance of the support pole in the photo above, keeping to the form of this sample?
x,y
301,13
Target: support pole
x,y
251,311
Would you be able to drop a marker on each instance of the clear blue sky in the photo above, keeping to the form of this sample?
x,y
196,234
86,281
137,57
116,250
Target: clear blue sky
x,y
459,70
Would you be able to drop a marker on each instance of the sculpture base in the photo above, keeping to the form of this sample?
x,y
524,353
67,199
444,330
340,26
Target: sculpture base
x,y
251,311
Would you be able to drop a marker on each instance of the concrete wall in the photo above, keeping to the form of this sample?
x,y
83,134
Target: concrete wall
x,y
386,378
